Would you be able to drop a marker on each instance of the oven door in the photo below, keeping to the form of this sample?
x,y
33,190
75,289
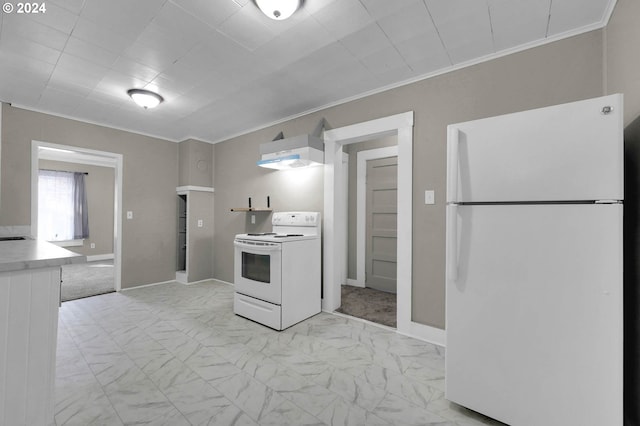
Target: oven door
x,y
257,269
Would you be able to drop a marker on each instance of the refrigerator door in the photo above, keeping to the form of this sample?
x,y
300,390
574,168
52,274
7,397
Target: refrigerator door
x,y
565,152
534,313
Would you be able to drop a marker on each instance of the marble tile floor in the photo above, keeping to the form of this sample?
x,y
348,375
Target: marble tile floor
x,y
177,355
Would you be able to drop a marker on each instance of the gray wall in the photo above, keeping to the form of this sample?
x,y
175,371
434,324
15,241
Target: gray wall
x,y
237,178
100,182
200,253
352,222
149,178
195,160
563,71
195,163
622,59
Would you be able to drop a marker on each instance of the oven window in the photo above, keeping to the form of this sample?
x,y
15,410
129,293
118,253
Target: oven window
x,y
256,267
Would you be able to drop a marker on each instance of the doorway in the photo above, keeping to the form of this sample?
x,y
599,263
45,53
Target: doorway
x,y
369,287
102,267
335,222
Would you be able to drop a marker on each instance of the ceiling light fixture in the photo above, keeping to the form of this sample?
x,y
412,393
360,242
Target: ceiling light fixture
x,y
278,9
145,98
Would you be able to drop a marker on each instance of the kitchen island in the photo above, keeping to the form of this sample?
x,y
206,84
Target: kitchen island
x,y
30,276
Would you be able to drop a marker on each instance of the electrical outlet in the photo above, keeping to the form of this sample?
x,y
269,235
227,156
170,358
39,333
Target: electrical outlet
x,y
129,214
253,219
200,223
93,245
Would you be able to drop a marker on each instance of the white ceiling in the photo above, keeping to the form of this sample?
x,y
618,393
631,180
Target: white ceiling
x,y
224,68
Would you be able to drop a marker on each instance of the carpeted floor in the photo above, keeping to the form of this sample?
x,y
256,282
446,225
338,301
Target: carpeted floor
x,y
87,279
367,303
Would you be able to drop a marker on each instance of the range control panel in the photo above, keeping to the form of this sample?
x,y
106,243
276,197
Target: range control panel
x,y
296,219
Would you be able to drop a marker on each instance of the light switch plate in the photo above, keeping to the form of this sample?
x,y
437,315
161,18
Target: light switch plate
x,y
429,196
129,214
253,219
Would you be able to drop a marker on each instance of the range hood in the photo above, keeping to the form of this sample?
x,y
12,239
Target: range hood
x,y
294,152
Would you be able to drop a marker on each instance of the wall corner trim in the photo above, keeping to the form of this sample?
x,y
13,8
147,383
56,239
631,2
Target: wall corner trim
x,y
355,283
147,285
608,12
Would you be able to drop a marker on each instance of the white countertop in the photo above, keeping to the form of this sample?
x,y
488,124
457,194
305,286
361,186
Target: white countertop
x,y
32,254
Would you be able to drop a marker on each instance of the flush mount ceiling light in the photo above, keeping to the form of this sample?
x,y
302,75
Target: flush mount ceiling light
x,y
145,98
278,9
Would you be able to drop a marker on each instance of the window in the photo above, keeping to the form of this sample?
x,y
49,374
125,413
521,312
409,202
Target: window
x,y
62,206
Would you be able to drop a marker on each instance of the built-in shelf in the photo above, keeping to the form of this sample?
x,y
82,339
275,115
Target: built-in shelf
x,y
182,234
254,209
249,209
183,189
194,244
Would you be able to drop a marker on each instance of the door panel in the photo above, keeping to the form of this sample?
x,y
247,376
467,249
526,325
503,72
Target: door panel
x,y
565,152
381,226
385,196
534,312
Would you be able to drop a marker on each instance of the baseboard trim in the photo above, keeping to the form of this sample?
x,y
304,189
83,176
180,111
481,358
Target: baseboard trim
x,y
355,283
375,324
426,333
97,257
195,282
418,331
224,282
147,285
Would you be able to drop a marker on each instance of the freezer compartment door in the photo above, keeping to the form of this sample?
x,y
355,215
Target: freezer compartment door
x,y
534,313
566,152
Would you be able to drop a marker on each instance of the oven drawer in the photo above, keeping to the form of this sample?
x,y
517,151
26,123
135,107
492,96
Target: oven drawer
x,y
258,310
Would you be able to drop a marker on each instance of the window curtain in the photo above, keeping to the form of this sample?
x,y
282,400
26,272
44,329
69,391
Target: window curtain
x,y
62,206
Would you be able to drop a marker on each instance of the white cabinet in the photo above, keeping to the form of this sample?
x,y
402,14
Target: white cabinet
x,y
29,301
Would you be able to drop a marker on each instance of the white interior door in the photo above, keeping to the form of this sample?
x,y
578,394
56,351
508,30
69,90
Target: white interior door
x,y
566,152
534,312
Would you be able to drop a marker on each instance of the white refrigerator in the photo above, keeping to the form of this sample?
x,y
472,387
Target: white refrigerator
x,y
534,324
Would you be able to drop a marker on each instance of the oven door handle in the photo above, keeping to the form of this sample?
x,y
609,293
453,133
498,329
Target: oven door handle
x,y
258,246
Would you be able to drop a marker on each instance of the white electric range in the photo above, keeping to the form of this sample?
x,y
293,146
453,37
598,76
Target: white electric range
x,y
278,274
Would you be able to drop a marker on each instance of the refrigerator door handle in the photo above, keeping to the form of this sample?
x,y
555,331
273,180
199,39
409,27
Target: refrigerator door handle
x,y
452,242
453,141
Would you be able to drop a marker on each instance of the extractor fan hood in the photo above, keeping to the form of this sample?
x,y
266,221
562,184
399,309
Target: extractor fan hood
x,y
294,152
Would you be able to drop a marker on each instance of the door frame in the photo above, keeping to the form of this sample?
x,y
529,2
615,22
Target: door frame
x,y
92,157
335,221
